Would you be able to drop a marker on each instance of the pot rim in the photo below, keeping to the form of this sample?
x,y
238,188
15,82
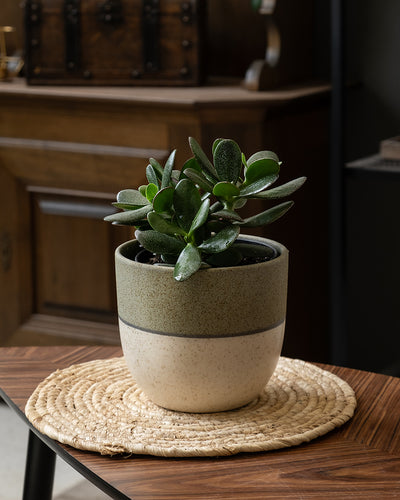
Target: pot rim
x,y
283,252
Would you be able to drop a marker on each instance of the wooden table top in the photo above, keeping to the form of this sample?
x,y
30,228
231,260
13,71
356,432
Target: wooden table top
x,y
359,460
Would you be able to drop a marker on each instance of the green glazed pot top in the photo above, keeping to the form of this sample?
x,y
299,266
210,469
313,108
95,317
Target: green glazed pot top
x,y
213,302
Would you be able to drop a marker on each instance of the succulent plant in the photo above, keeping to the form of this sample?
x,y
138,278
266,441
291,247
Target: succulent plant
x,y
190,218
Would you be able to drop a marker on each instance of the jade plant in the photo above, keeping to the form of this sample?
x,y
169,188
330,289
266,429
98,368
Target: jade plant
x,y
189,218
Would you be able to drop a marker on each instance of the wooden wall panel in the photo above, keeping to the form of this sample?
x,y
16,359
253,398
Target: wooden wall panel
x,y
74,120
9,309
57,252
76,166
73,257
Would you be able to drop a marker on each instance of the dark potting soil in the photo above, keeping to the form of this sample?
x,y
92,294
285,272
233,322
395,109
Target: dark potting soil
x,y
146,257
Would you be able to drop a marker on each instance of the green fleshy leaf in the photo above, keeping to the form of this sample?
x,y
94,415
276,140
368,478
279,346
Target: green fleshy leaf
x,y
142,190
220,241
157,167
226,190
244,162
261,164
213,180
262,155
189,261
190,163
151,191
175,177
228,160
227,214
126,206
169,260
282,191
169,165
162,201
187,201
131,196
215,144
214,226
129,217
202,158
239,203
151,175
158,223
258,185
267,216
216,206
200,217
159,243
199,179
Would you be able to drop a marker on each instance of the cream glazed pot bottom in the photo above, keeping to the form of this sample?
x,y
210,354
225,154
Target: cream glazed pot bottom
x,y
207,344
201,374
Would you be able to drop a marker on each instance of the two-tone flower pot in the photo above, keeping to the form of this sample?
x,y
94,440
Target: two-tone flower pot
x,y
207,344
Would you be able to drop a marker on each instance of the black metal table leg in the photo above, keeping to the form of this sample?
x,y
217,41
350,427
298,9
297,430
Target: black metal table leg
x,y
39,470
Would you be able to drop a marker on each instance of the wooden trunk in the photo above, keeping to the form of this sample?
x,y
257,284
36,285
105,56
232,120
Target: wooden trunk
x,y
118,42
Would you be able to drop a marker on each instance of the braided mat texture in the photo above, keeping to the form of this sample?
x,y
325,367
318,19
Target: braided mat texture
x,y
96,406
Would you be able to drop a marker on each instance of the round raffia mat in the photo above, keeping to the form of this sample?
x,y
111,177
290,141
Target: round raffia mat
x,y
96,406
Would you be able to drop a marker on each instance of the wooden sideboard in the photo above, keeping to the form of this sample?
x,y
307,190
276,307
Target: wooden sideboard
x,y
66,151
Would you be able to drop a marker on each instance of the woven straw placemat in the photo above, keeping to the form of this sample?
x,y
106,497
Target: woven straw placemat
x,y
96,406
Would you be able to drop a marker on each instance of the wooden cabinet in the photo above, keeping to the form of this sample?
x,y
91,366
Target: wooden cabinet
x,y
66,151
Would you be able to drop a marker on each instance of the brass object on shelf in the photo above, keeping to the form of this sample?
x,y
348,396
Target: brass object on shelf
x,y
10,66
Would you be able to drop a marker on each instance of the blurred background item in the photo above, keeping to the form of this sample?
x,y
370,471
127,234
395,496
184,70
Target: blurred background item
x,y
10,65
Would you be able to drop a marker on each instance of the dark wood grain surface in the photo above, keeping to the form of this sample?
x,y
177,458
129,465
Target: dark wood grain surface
x,y
359,460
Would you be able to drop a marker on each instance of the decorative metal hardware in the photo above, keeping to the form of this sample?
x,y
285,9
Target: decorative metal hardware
x,y
110,12
72,21
33,19
33,11
136,74
150,34
187,44
186,12
184,71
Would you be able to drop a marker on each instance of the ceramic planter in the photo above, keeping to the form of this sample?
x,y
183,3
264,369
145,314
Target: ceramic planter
x,y
207,344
